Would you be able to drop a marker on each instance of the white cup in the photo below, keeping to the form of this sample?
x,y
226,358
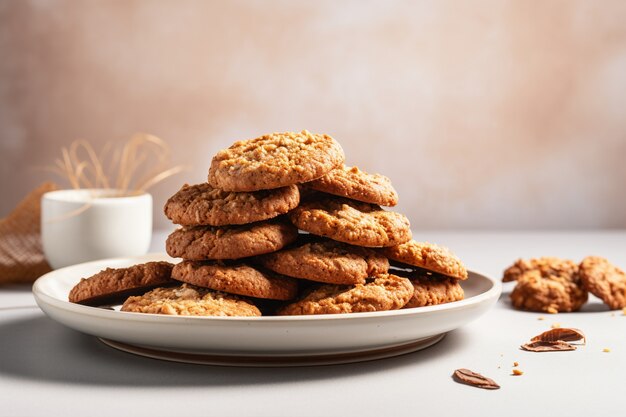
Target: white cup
x,y
89,224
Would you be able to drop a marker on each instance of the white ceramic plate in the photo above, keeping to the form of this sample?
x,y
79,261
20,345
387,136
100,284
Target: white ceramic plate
x,y
260,341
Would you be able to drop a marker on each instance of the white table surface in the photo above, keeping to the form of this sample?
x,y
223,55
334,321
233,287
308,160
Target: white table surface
x,y
47,369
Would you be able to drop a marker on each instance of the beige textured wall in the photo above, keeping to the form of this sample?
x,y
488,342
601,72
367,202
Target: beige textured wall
x,y
485,114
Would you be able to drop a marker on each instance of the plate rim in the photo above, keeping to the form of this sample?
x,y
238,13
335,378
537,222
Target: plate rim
x,y
41,295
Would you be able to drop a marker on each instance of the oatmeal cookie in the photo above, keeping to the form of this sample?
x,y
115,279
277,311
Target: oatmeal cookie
x,y
604,280
432,289
427,256
385,292
546,265
352,222
201,204
111,285
538,290
236,278
327,261
188,300
274,160
355,184
230,242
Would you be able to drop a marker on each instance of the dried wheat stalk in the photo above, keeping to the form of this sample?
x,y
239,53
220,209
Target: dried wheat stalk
x,y
140,164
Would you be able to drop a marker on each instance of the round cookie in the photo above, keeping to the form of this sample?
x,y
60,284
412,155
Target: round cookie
x,y
327,261
352,222
427,256
430,290
237,279
274,160
546,265
385,292
111,285
537,291
353,183
230,242
203,205
187,300
604,280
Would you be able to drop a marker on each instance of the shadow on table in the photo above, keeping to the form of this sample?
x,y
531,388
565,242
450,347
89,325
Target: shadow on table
x,y
40,349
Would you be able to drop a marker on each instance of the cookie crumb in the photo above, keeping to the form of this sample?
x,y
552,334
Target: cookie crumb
x,y
517,372
552,310
606,350
516,363
540,318
556,325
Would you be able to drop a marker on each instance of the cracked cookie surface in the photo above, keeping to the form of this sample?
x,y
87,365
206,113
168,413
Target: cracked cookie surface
x,y
274,160
604,280
230,242
327,261
188,300
546,265
353,222
538,290
111,285
351,182
203,205
385,292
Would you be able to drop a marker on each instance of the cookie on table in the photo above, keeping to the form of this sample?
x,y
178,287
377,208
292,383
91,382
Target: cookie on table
x,y
230,242
604,280
384,292
111,285
236,278
327,261
188,300
541,291
351,222
427,256
203,205
546,265
432,289
274,160
355,184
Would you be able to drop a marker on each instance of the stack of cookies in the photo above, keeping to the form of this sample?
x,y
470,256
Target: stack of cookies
x,y
284,227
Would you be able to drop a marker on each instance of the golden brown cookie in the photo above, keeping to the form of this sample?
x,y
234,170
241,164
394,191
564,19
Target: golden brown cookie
x,y
352,222
274,160
230,242
546,265
203,205
433,289
385,292
188,300
604,280
111,285
427,256
236,278
353,183
538,290
327,261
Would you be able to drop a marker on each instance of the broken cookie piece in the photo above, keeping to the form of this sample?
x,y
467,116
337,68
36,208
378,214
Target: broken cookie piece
x,y
467,377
